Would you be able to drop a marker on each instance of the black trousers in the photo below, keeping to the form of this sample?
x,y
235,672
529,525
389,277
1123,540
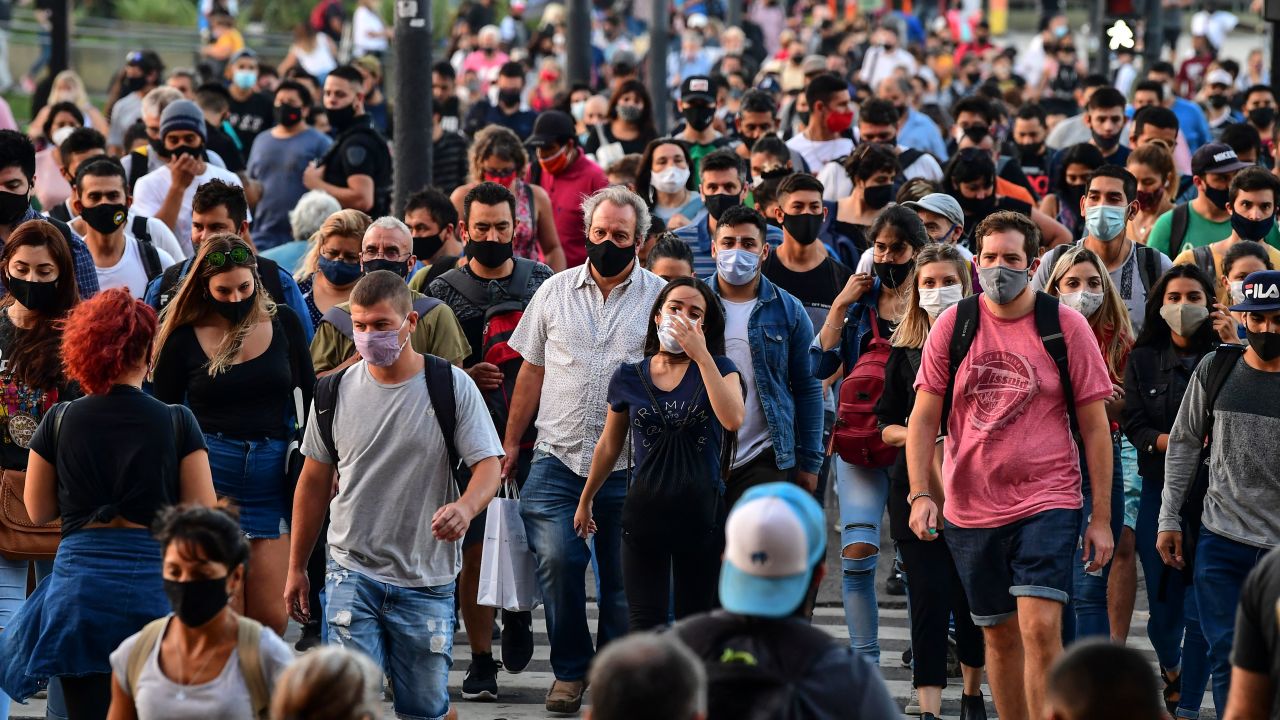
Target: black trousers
x,y
762,469
935,594
87,697
651,573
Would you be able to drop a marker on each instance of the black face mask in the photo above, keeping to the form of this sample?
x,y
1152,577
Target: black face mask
x,y
902,110
1030,152
1254,230
38,296
1262,117
717,204
1073,193
509,98
12,207
132,84
877,196
893,274
426,247
1218,101
608,259
399,267
975,208
1218,197
105,218
195,152
1103,142
802,228
158,148
235,311
699,117
803,116
288,115
197,602
490,254
341,118
1266,344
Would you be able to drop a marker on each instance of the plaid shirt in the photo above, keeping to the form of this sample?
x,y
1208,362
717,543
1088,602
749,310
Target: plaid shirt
x,y
86,272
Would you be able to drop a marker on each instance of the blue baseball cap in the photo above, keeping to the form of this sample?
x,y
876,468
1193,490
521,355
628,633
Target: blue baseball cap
x,y
1261,292
774,538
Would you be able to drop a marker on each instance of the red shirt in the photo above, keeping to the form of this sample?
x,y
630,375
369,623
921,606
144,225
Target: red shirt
x,y
567,190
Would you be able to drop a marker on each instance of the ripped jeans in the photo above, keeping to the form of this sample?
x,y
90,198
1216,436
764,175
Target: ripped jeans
x,y
863,494
407,631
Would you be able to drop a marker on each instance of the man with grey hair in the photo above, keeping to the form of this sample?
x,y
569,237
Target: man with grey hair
x,y
580,326
388,245
647,676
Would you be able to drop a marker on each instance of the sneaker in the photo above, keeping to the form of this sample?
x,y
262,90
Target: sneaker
x,y
517,640
928,716
1172,690
481,682
973,707
907,658
310,637
565,696
895,585
913,705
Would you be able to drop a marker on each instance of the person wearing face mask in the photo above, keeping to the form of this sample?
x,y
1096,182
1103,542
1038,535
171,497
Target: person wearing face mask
x,y
506,109
176,666
132,455
872,168
878,122
77,146
869,306
629,122
1071,169
388,245
289,144
235,358
1015,552
942,279
143,71
393,426
674,536
1216,96
1177,334
886,57
332,267
1109,202
357,168
758,118
723,186
916,130
1241,260
568,175
251,111
826,137
490,290
52,188
126,254
1206,219
1260,109
1237,525
801,265
943,223
1152,165
1029,132
970,177
1252,204
582,324
698,108
666,181
433,220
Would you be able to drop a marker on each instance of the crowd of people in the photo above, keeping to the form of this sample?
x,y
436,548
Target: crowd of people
x,y
1018,322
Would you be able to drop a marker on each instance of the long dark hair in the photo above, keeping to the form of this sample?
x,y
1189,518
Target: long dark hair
x,y
712,319
645,123
1156,332
644,176
36,358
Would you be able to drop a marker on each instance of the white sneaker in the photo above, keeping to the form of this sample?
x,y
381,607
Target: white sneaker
x,y
913,705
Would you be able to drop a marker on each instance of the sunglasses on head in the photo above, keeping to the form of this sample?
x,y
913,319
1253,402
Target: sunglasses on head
x,y
238,255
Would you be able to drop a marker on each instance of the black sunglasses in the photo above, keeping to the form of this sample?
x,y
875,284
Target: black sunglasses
x,y
238,255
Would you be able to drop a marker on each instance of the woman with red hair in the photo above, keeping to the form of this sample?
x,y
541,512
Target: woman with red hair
x,y
132,455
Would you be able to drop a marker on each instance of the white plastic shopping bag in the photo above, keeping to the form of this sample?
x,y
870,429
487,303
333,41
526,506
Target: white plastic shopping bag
x,y
508,572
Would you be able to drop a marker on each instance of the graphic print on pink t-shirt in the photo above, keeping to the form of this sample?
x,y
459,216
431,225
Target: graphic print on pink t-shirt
x,y
1000,386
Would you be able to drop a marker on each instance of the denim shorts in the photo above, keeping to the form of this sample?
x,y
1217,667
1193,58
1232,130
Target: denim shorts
x,y
407,631
251,473
1029,558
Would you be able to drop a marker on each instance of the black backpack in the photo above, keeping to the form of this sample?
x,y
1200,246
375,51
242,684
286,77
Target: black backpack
x,y
146,248
743,685
340,318
1178,227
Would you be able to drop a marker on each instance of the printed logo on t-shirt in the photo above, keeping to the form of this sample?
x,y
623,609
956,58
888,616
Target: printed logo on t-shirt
x,y
999,387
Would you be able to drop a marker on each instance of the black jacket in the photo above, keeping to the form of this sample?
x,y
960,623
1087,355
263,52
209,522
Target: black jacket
x,y
1154,383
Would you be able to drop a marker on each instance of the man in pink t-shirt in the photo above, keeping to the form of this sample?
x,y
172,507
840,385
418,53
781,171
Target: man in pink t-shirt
x,y
1011,468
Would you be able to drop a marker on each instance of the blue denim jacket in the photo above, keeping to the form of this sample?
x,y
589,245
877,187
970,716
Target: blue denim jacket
x,y
779,333
846,352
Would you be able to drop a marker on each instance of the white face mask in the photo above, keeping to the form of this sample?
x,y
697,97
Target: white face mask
x,y
1084,302
1237,292
666,335
935,300
671,180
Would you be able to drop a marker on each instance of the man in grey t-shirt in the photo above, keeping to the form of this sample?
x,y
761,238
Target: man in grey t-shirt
x,y
397,520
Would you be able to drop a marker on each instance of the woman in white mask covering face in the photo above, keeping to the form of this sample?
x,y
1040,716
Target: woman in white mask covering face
x,y
665,180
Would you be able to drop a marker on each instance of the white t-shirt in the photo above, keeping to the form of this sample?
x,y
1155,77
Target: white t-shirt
x,y
817,153
130,272
836,184
149,194
161,236
365,22
753,436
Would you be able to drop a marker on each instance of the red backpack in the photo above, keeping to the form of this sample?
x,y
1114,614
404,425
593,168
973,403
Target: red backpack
x,y
856,437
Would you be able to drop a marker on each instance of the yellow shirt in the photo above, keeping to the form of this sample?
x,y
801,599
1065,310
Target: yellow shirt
x,y
438,333
1187,257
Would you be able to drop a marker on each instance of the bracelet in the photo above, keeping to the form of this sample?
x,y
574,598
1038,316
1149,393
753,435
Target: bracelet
x,y
911,499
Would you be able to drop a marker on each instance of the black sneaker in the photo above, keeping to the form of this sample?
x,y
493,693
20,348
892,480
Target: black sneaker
x,y
310,637
907,657
895,585
517,640
481,682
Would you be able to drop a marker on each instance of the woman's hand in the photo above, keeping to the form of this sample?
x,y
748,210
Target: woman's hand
x,y
1225,324
857,286
689,334
583,525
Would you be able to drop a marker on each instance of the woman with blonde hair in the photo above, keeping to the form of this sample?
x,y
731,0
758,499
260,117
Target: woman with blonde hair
x,y
243,366
67,87
498,156
329,683
1152,165
1081,282
332,265
941,279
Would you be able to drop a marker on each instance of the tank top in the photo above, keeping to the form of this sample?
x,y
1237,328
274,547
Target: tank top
x,y
524,243
319,61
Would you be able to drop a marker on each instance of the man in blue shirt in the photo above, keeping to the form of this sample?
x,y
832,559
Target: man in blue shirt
x,y
722,187
507,111
1195,128
917,132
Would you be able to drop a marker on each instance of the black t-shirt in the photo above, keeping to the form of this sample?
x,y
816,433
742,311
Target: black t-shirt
x,y
251,116
21,406
816,289
893,408
360,150
221,143
250,400
1257,638
117,455
635,146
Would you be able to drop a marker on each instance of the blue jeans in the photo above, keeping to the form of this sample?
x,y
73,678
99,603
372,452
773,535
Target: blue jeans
x,y
407,631
1089,597
1166,586
1221,567
548,501
1195,659
863,494
13,590
251,472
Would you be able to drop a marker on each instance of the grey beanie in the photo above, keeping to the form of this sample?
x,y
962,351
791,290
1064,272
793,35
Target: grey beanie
x,y
183,115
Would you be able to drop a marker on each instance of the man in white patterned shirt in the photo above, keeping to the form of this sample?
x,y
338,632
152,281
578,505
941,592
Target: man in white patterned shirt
x,y
580,326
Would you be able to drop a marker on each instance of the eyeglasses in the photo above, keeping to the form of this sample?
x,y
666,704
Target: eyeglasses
x,y
238,255
390,253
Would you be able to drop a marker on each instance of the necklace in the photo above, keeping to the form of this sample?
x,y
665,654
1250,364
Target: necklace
x,y
182,668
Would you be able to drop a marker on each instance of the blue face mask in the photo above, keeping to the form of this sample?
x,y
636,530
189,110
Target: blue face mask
x,y
339,273
244,79
1105,222
737,267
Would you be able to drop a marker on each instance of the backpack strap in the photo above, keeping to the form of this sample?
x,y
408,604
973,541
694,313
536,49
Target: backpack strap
x,y
1178,227
1224,361
467,287
146,643
1203,258
139,229
908,157
533,206
1049,325
439,376
518,286
138,164
914,358
147,249
326,402
341,320
269,272
1149,266
249,650
962,334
